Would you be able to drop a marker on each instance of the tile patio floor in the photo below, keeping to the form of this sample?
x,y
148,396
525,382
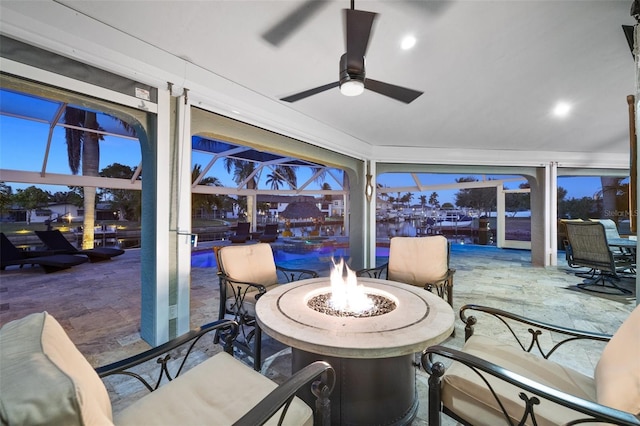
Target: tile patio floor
x,y
98,304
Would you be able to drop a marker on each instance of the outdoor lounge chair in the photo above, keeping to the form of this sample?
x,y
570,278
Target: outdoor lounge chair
x,y
243,233
46,380
48,260
491,382
589,248
55,240
419,261
246,273
270,233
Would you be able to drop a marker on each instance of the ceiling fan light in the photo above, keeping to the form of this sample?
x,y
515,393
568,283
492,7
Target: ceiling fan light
x,y
352,88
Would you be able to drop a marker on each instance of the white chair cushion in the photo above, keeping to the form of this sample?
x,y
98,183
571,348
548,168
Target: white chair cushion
x,y
617,374
44,379
467,395
418,261
252,263
218,392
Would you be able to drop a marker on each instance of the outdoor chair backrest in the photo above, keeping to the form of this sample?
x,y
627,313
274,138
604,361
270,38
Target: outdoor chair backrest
x,y
271,229
589,245
253,263
418,260
243,228
617,374
9,251
610,228
55,240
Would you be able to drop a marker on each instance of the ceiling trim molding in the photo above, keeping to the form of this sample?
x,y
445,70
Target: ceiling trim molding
x,y
500,158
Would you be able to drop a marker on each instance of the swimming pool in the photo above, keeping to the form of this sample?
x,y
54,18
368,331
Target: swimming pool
x,y
318,260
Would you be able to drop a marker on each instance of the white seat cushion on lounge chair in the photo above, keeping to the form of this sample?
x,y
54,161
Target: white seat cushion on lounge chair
x,y
463,389
218,392
618,371
44,379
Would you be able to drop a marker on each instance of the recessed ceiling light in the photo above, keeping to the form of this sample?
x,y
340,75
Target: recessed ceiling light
x,y
408,42
562,109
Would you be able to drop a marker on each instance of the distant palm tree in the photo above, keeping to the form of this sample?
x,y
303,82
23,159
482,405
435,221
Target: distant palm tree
x,y
327,197
241,169
423,201
83,149
204,201
274,180
288,173
610,189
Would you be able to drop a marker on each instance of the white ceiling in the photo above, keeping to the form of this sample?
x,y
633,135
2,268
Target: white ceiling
x,y
491,71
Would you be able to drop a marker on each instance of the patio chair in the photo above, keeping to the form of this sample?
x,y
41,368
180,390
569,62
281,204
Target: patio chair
x,y
419,261
615,241
270,233
243,233
246,273
589,248
46,380
491,383
55,240
49,260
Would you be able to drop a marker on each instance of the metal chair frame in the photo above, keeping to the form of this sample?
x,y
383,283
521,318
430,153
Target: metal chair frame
x,y
529,391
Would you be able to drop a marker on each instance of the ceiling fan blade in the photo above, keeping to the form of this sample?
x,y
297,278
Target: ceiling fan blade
x,y
310,92
398,93
290,23
358,31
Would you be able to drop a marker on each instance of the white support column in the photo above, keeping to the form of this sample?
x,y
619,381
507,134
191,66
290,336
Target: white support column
x,y
183,194
551,214
252,211
500,220
155,255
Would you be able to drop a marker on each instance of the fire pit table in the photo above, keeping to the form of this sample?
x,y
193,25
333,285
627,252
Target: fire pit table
x,y
373,356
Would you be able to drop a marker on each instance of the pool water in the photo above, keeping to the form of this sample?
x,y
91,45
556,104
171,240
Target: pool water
x,y
318,260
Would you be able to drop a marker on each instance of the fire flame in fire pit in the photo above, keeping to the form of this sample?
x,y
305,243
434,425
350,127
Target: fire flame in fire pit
x,y
346,293
347,298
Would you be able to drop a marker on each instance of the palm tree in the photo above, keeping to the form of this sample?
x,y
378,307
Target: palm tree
x,y
203,201
288,173
610,189
327,197
83,149
241,169
423,201
433,200
274,180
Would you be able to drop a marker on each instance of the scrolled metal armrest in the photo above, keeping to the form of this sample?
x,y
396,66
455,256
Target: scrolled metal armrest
x,y
599,412
285,392
292,274
231,281
227,331
470,321
372,272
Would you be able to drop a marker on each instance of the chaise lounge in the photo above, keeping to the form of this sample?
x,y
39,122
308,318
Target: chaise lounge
x,y
55,240
50,261
270,233
243,233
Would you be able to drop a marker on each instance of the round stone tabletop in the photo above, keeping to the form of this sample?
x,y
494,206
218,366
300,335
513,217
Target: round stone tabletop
x,y
421,319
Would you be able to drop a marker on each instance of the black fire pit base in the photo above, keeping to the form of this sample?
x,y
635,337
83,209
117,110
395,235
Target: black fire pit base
x,y
375,391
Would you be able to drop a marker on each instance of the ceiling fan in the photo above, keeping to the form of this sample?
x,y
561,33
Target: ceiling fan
x,y
352,78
